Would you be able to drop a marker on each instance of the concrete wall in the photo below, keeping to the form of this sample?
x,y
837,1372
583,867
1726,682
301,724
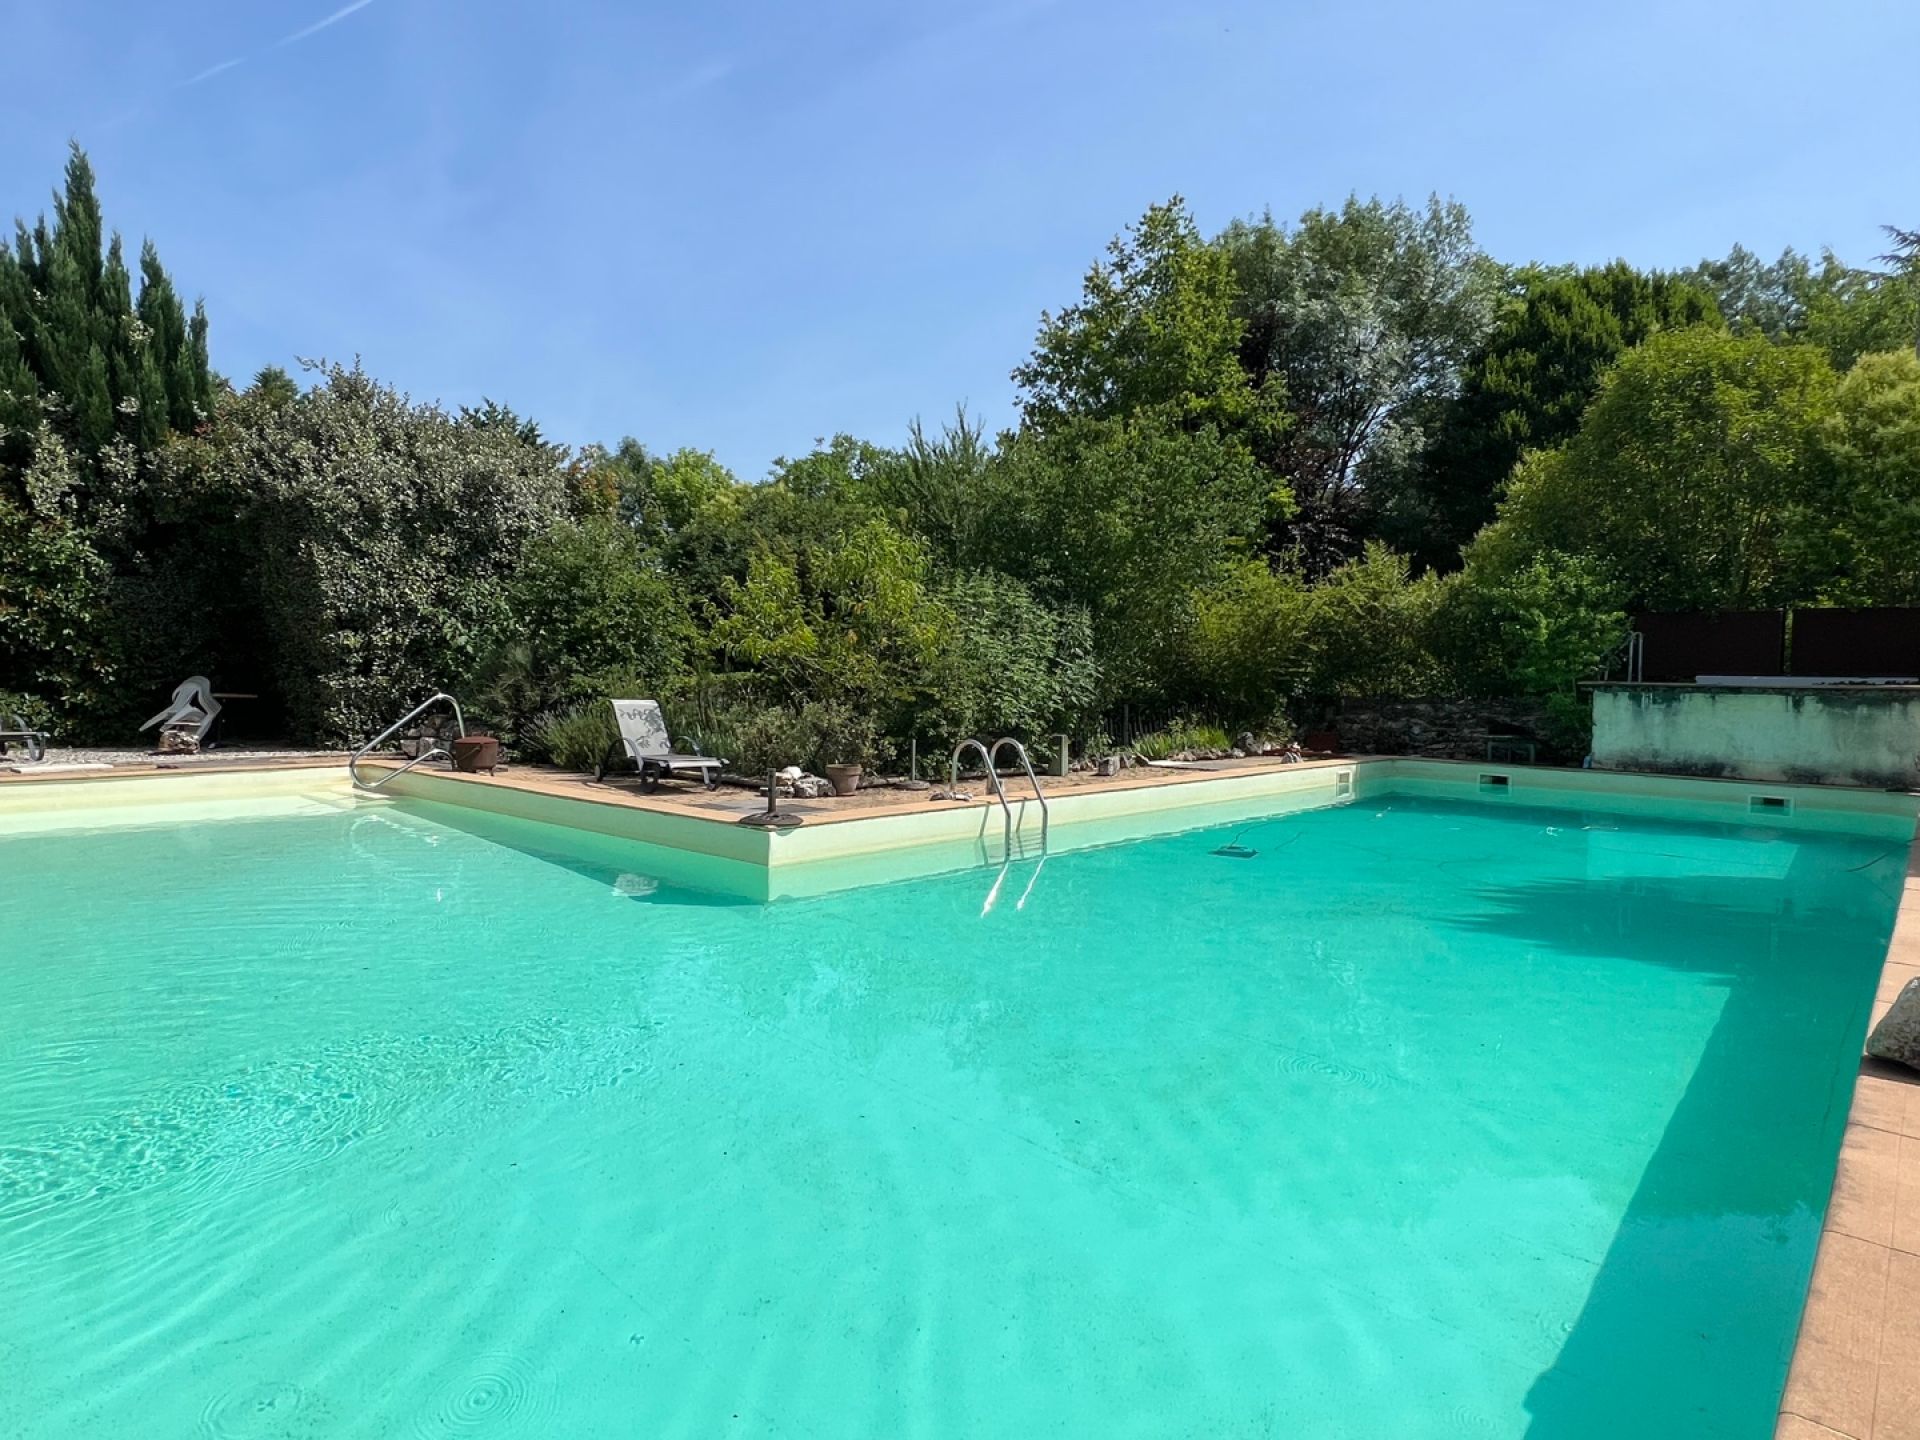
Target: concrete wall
x,y
1832,735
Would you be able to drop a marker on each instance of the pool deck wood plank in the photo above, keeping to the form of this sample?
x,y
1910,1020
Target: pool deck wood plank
x,y
1856,1364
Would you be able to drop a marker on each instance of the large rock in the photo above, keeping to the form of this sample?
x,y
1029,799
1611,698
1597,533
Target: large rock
x,y
1897,1036
793,783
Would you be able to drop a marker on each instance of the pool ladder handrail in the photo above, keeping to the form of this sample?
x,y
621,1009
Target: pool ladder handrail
x,y
436,753
990,757
1026,764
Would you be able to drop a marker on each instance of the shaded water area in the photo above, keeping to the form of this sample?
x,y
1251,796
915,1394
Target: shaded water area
x,y
1399,1119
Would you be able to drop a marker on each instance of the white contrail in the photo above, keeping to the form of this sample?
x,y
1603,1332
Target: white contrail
x,y
211,71
334,19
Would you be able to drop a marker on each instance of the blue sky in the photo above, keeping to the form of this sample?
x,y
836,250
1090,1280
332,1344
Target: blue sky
x,y
743,226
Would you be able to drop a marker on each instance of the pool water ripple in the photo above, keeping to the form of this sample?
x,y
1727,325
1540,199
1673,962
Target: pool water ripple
x,y
1405,1125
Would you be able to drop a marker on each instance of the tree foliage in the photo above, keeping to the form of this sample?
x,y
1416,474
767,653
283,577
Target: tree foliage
x,y
1531,381
381,534
1155,329
1692,476
1872,541
1243,476
1362,317
1124,519
1846,310
77,349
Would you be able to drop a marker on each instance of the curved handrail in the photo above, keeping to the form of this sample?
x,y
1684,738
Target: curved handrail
x,y
993,779
436,753
1026,764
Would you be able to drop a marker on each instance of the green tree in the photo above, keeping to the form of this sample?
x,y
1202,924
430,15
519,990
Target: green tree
x,y
1362,318
382,538
1695,473
274,386
74,343
854,622
1538,628
1528,385
1124,518
936,488
1008,664
802,510
1904,257
1874,549
53,589
1846,310
1371,628
1252,648
102,380
1155,329
594,613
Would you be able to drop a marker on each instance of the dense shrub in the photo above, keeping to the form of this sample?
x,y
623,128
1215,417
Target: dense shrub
x,y
589,607
1009,665
30,710
385,534
1181,736
54,593
754,740
1253,642
1371,627
576,738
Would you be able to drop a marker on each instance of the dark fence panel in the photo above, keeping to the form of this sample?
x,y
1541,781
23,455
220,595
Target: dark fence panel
x,y
1865,643
1727,642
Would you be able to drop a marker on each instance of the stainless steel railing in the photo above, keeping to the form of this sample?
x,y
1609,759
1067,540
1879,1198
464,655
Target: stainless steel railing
x,y
436,753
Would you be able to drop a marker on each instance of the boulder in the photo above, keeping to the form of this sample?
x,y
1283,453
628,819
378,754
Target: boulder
x,y
1897,1036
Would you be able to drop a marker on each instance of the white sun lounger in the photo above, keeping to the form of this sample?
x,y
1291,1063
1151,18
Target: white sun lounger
x,y
644,740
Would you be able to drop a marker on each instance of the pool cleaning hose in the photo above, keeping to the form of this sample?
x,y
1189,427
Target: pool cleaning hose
x,y
1234,850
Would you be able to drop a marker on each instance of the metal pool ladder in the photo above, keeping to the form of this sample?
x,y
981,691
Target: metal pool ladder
x,y
436,753
989,757
1026,764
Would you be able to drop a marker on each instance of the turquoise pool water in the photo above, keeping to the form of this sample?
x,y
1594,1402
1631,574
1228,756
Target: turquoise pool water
x,y
1420,1120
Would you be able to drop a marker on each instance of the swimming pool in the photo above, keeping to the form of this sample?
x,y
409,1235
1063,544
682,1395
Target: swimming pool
x,y
1422,1118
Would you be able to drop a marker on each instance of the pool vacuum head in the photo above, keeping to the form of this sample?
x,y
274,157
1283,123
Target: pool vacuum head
x,y
1237,852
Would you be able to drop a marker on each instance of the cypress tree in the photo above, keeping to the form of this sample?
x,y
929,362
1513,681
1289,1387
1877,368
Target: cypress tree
x,y
71,361
201,366
166,324
19,387
77,229
72,331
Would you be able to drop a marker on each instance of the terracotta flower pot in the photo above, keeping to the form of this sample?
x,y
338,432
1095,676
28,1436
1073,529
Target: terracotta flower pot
x,y
845,779
474,753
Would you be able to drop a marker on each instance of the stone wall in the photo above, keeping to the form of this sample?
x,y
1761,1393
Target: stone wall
x,y
1440,729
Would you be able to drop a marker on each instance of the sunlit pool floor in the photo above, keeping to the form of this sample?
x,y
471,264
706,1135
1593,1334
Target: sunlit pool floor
x,y
1417,1120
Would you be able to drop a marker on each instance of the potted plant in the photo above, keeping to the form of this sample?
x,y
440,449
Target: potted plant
x,y
849,739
